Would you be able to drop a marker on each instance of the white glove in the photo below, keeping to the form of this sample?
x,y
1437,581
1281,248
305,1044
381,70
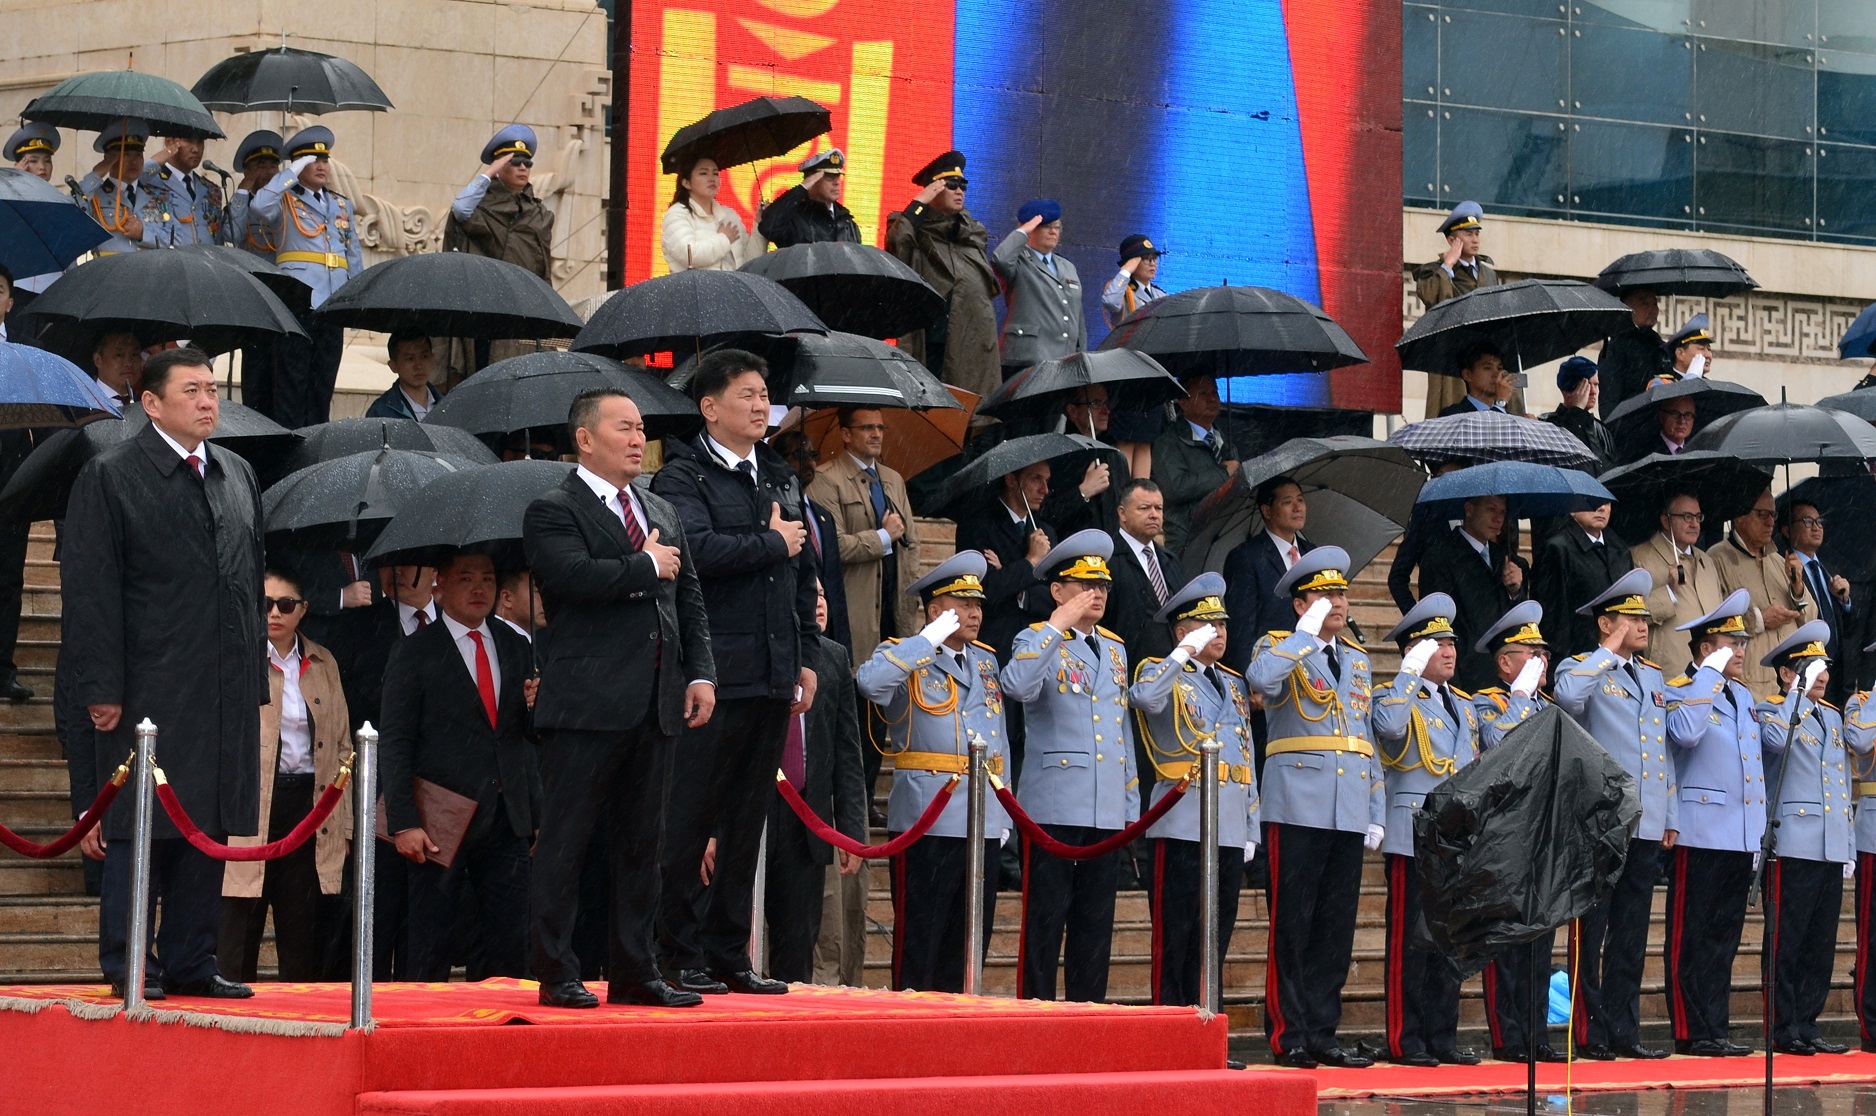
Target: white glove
x,y
1250,849
1310,623
1696,368
1194,642
301,163
1373,840
943,627
1811,672
1849,870
1528,678
1757,857
1415,661
1718,660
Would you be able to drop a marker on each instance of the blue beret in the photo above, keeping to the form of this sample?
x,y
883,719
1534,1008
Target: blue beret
x,y
1048,209
1573,372
516,139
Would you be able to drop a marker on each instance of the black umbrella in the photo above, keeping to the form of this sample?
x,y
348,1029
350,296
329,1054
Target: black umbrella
x,y
42,485
288,80
1712,399
1236,331
757,129
451,294
978,478
1528,322
1848,504
295,295
537,389
343,504
1725,486
691,311
1786,432
478,509
93,102
1699,272
1861,403
854,288
1134,382
1361,493
1481,436
841,370
328,441
41,231
165,296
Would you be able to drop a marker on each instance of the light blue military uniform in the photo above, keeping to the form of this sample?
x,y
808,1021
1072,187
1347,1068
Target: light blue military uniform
x,y
1814,793
1859,736
112,203
316,232
1179,703
1623,704
1426,731
192,206
243,232
1714,727
1496,709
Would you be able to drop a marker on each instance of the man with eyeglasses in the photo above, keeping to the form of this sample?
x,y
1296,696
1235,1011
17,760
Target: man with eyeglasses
x,y
1748,559
938,238
1804,528
1674,424
497,215
1687,586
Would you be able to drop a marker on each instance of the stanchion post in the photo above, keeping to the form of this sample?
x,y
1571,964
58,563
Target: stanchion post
x,y
759,908
364,871
137,941
1208,875
974,805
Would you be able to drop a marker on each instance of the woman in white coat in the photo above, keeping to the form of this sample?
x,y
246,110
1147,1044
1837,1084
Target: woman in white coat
x,y
699,232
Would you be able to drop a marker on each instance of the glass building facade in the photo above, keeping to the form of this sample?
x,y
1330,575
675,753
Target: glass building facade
x,y
1755,117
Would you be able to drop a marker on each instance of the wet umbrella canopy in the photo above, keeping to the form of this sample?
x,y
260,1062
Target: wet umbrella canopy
x,y
756,129
1492,436
1528,322
451,294
854,288
341,437
166,296
343,504
285,79
977,478
691,311
93,102
844,370
1725,486
1700,272
479,509
1712,399
297,296
1786,432
538,389
1531,490
41,230
1236,331
1133,381
38,388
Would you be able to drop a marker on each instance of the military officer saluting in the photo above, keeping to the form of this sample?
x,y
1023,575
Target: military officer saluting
x,y
1620,698
111,192
1180,702
258,160
1812,804
1426,731
940,689
194,204
1859,736
1322,803
1078,780
1521,657
1714,728
810,211
31,149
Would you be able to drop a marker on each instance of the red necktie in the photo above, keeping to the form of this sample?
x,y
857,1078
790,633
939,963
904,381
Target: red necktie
x,y
633,529
485,677
421,617
195,463
1295,555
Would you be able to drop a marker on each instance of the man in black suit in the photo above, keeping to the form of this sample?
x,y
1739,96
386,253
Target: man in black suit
x,y
1488,382
455,714
741,508
1468,564
1254,567
628,668
1012,539
1144,573
823,535
1575,565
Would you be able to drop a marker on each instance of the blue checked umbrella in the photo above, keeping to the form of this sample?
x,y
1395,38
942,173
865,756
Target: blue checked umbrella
x,y
38,388
1492,436
41,230
1533,490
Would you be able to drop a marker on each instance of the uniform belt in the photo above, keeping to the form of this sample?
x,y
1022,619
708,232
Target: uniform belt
x,y
1227,772
947,763
326,259
1320,744
1865,790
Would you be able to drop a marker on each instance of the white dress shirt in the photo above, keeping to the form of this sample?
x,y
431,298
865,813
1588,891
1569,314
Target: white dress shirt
x,y
608,494
730,458
460,633
200,451
1484,549
296,727
518,629
407,616
1284,546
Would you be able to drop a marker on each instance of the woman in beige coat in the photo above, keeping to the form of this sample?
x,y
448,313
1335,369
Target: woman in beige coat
x,y
701,233
305,738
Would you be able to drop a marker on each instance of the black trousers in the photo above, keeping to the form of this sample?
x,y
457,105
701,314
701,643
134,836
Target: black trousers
x,y
13,539
1865,946
1509,985
257,375
589,779
1706,915
305,372
1177,949
1314,895
792,895
1608,948
1068,913
724,777
592,926
188,886
1422,990
290,887
929,901
1808,895
390,909
493,862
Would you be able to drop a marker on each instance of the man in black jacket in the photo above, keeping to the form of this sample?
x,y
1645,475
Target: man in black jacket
x,y
1469,564
1636,355
741,508
1254,567
1575,565
628,668
1013,538
1144,573
455,714
811,211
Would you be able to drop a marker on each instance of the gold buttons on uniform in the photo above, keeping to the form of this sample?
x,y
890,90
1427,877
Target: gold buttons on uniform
x,y
1338,771
1099,757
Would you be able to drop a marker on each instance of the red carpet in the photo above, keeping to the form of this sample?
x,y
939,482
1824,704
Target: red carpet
x,y
1589,1077
465,1050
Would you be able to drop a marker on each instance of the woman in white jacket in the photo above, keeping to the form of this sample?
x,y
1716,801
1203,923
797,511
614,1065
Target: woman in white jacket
x,y
698,232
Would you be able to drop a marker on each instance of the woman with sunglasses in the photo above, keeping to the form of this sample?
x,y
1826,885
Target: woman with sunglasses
x,y
305,738
497,214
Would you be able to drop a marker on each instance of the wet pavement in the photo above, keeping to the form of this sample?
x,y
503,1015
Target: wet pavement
x,y
1819,1100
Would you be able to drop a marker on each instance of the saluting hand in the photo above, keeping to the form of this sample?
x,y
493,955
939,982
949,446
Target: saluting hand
x,y
932,189
793,533
498,165
665,557
1453,251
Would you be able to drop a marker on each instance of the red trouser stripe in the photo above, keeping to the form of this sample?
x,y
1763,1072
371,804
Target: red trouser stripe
x,y
1022,936
1491,1005
898,921
1396,951
1677,931
1866,864
1158,912
1579,1008
1273,1003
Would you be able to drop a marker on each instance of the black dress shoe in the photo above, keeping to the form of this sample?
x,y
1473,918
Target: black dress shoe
x,y
1736,1049
1232,1063
1549,1053
150,991
214,987
1869,1046
1459,1056
1596,1053
567,994
1638,1051
1510,1054
13,691
652,993
1417,1058
1704,1048
1825,1046
696,980
752,983
1297,1059
1796,1046
1344,1058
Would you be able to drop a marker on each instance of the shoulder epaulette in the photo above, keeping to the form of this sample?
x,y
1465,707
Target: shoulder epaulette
x,y
1580,656
1460,694
1680,680
1108,634
1828,705
1488,691
1228,670
982,644
1776,699
1645,661
892,639
1277,635
1350,640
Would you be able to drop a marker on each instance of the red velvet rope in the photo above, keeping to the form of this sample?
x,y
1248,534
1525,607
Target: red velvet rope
x,y
85,824
1035,834
852,847
210,847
